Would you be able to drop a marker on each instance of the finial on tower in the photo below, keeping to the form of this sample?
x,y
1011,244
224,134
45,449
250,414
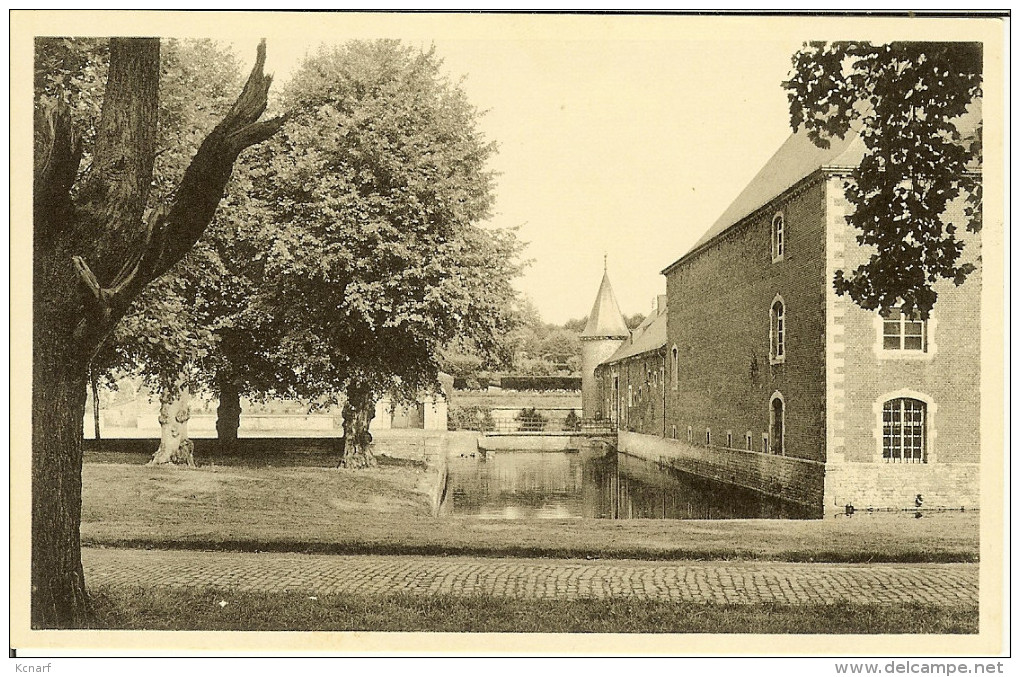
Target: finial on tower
x,y
605,262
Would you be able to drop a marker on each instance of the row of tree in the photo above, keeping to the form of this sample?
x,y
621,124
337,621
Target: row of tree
x,y
347,250
534,348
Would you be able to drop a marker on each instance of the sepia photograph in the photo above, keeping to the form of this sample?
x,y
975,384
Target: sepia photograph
x,y
580,333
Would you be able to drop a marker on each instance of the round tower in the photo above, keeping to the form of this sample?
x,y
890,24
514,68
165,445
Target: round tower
x,y
605,331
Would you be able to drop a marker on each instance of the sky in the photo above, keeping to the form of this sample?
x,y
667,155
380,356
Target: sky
x,y
615,151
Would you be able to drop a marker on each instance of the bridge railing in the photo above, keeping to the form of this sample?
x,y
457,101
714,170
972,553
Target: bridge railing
x,y
535,426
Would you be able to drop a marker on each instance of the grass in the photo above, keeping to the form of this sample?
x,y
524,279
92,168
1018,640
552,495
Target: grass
x,y
165,609
386,510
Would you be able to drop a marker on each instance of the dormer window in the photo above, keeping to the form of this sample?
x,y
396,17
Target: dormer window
x,y
778,237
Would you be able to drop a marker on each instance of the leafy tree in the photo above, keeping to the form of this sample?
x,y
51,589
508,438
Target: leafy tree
x,y
634,321
576,325
559,345
377,261
909,101
461,364
95,249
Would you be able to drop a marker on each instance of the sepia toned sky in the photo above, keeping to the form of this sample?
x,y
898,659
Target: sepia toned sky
x,y
609,144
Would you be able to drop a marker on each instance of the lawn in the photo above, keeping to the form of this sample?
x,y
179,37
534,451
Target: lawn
x,y
165,609
387,510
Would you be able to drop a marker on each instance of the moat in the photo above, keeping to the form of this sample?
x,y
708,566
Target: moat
x,y
595,484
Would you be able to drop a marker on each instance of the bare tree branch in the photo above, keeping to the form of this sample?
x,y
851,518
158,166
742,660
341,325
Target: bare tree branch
x,y
173,229
199,193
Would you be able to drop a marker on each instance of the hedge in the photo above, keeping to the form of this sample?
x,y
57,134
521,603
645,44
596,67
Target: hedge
x,y
541,383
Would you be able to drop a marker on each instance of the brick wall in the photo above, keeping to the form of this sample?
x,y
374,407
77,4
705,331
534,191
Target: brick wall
x,y
863,376
796,480
719,319
644,374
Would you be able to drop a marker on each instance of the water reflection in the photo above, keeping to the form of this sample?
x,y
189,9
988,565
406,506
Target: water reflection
x,y
596,484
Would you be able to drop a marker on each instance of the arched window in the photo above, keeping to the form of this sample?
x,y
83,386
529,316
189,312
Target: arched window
x,y
777,331
778,237
904,430
674,369
777,424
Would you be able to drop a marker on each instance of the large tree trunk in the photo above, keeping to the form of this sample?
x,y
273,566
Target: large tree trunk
x,y
92,256
94,386
59,381
228,412
358,412
175,447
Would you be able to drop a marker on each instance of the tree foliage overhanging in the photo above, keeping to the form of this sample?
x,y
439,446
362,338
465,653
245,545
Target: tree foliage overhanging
x,y
916,106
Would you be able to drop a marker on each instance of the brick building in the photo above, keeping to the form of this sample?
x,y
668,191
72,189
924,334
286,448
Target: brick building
x,y
632,381
775,383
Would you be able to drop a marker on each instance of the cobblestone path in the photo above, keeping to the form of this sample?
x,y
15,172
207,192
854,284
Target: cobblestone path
x,y
718,582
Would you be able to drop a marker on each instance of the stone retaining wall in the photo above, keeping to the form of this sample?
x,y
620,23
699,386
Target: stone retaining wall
x,y
790,479
530,442
896,485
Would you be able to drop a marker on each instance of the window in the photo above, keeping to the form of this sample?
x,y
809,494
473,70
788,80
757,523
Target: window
x,y
904,331
903,430
708,437
729,439
690,435
674,432
777,423
778,331
778,237
765,442
630,396
747,441
675,368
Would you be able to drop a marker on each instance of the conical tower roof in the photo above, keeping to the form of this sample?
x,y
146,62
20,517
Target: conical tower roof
x,y
605,319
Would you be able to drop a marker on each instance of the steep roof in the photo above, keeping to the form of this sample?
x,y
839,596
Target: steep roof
x,y
652,337
605,319
795,160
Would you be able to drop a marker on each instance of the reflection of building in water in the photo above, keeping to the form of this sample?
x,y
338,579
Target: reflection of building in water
x,y
766,379
624,487
516,484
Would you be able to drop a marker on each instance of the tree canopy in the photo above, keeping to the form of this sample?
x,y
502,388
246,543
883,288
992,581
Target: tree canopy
x,y
373,201
916,107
